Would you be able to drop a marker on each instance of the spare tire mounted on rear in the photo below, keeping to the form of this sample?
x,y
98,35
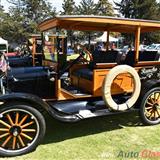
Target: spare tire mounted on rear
x,y
113,73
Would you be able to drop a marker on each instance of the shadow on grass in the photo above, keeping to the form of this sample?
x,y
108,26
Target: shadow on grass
x,y
59,131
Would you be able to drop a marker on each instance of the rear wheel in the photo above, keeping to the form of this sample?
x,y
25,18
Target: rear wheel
x,y
150,107
22,128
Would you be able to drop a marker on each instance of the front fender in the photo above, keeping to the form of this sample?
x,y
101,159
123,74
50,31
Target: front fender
x,y
24,97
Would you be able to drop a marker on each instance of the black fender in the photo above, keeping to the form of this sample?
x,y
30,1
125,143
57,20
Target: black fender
x,y
145,87
24,97
37,103
149,84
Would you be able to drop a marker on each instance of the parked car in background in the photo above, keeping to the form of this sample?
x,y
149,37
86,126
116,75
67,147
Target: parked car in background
x,y
142,47
127,48
153,47
70,51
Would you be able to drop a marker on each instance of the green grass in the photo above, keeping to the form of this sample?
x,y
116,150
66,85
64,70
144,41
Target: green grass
x,y
69,57
72,57
99,138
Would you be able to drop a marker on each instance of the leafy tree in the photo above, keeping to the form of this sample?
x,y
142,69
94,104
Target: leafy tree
x,y
138,9
68,7
125,8
12,27
23,18
141,9
86,7
104,8
37,10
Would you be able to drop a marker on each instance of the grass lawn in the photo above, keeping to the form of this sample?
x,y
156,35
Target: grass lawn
x,y
98,138
69,57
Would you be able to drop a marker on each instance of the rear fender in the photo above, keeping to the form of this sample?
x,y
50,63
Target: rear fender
x,y
145,87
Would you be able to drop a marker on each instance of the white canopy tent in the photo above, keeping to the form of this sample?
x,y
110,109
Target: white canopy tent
x,y
4,42
103,38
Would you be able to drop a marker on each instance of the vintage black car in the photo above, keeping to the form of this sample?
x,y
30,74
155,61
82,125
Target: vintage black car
x,y
96,83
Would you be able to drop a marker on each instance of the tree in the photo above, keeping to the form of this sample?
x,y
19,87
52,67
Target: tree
x,y
141,9
86,7
23,19
125,8
104,8
37,10
138,9
68,7
11,27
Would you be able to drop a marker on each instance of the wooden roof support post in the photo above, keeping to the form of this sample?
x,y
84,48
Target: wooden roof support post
x,y
34,50
107,43
137,43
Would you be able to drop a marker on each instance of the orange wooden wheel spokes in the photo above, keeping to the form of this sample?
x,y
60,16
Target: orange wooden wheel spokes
x,y
18,129
158,113
27,124
4,135
21,141
6,141
17,118
149,108
28,130
23,119
149,103
5,124
151,99
4,129
158,99
14,142
152,106
26,136
10,119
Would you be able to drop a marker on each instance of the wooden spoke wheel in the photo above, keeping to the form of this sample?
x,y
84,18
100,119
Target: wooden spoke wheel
x,y
150,107
21,129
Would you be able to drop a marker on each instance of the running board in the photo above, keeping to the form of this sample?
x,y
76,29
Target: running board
x,y
83,114
73,111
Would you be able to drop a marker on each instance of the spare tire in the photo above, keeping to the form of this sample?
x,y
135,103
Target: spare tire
x,y
107,87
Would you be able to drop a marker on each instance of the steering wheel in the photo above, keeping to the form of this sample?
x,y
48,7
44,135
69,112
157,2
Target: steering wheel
x,y
82,53
85,54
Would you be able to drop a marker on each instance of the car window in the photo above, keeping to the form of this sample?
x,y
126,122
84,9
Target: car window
x,y
49,51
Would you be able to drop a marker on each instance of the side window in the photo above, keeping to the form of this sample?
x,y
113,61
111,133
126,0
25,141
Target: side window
x,y
49,49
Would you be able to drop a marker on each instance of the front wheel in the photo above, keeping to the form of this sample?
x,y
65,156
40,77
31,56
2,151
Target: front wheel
x,y
22,128
150,107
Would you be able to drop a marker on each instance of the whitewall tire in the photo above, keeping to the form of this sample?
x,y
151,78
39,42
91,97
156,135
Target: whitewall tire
x,y
113,73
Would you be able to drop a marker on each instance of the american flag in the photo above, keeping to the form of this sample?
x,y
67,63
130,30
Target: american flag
x,y
3,64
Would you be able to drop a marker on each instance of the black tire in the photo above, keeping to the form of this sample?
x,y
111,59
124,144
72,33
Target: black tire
x,y
24,125
150,107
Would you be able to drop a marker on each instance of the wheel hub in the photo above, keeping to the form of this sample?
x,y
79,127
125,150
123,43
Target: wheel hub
x,y
15,131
